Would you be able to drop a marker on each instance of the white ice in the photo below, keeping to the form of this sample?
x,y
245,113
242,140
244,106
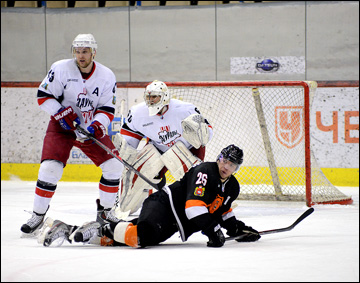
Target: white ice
x,y
324,247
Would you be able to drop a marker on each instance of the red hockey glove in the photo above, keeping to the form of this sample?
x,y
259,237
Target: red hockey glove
x,y
67,117
97,130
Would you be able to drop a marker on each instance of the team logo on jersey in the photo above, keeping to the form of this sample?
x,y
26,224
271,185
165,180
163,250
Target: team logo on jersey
x,y
216,204
199,191
289,125
85,105
167,136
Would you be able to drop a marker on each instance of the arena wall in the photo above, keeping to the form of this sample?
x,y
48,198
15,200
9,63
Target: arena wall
x,y
311,40
303,40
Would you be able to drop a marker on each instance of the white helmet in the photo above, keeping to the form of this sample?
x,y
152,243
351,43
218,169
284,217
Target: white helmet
x,y
156,88
84,40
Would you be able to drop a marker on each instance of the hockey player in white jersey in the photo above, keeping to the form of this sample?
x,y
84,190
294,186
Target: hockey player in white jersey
x,y
177,134
76,91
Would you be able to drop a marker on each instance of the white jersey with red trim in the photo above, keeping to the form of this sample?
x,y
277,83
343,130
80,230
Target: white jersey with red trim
x,y
92,98
162,130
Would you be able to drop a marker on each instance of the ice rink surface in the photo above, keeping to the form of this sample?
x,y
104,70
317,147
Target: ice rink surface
x,y
324,247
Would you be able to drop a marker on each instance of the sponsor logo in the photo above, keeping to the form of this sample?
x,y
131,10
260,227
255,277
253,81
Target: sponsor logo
x,y
289,125
77,154
268,66
63,114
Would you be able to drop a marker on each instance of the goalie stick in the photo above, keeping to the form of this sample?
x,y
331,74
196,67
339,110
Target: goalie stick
x,y
109,151
272,231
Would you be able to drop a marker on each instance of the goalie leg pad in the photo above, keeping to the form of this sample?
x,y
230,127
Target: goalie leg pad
x,y
134,201
126,151
147,162
178,160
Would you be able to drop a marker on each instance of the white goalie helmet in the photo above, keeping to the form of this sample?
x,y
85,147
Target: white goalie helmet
x,y
84,40
156,88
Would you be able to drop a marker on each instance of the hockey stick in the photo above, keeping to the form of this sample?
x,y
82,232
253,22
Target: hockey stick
x,y
109,151
292,226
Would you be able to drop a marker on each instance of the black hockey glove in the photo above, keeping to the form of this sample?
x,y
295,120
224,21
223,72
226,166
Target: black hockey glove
x,y
215,235
245,233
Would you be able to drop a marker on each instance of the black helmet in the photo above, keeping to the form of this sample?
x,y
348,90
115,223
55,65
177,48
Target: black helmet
x,y
232,153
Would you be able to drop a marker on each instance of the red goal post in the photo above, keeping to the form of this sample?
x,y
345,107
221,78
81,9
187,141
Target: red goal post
x,y
270,121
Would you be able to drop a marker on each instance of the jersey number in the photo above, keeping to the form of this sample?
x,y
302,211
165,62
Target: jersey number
x,y
202,179
51,75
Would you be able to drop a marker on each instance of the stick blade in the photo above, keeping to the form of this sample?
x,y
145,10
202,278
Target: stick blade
x,y
304,215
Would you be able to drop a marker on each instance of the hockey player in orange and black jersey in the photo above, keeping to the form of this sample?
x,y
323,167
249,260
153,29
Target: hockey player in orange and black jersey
x,y
200,201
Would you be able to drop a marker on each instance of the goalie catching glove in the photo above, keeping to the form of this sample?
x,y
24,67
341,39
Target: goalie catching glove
x,y
196,130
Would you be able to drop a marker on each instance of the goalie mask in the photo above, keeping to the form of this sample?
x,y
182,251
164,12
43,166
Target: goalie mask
x,y
84,40
233,154
156,96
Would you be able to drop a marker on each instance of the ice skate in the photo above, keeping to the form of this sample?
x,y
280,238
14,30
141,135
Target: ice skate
x,y
32,226
105,215
58,233
87,232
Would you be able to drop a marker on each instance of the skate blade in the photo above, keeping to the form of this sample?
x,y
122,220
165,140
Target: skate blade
x,y
41,233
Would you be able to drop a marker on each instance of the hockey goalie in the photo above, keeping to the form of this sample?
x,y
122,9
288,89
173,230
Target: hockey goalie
x,y
176,134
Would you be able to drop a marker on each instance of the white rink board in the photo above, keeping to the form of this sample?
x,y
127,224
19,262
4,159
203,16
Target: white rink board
x,y
324,247
21,139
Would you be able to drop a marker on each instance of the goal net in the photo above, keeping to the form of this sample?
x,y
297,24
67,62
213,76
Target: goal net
x,y
270,121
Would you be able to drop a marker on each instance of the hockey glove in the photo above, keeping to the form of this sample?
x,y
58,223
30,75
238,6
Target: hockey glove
x,y
215,235
245,233
67,118
97,130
